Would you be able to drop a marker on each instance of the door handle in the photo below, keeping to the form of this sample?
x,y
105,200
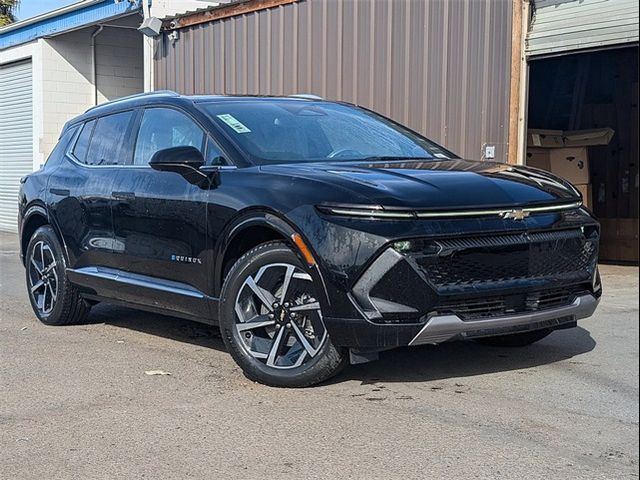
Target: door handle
x,y
60,191
123,195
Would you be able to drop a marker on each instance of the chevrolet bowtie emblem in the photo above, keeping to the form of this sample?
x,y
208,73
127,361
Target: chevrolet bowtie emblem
x,y
517,214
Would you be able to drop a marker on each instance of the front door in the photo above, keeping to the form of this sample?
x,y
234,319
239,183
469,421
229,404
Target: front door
x,y
160,220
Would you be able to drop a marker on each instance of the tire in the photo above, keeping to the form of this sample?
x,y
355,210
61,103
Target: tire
x,y
289,346
516,339
54,300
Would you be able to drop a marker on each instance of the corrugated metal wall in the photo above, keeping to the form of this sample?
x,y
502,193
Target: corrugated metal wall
x,y
564,25
441,67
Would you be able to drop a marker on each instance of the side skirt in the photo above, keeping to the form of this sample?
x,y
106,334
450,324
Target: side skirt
x,y
144,292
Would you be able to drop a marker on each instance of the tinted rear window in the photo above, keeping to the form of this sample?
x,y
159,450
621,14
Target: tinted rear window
x,y
106,140
109,143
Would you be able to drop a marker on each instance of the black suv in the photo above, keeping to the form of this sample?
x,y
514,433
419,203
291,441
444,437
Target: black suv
x,y
313,233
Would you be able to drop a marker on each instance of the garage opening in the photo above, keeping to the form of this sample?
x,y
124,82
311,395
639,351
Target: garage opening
x,y
583,125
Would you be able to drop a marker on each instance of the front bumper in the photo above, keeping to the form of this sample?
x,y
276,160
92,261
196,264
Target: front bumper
x,y
472,287
441,328
365,335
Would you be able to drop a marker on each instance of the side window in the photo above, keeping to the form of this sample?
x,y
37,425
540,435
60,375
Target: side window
x,y
165,128
82,144
109,142
63,143
214,154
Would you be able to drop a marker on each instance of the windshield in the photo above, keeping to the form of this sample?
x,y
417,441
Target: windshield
x,y
290,130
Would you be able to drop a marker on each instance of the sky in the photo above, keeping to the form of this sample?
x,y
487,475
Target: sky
x,y
31,8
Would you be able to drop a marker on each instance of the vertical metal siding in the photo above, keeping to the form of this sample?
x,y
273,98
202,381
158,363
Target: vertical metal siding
x,y
561,25
438,66
16,126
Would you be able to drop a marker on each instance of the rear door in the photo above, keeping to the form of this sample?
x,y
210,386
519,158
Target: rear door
x,y
160,219
80,189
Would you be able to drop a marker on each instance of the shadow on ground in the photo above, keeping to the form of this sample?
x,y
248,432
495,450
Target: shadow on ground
x,y
463,359
160,325
407,364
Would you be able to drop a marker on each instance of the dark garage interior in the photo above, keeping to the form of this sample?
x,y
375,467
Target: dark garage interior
x,y
596,90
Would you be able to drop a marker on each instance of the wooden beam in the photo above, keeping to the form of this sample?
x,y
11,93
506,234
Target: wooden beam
x,y
223,11
517,51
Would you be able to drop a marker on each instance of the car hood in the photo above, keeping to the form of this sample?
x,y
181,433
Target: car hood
x,y
437,184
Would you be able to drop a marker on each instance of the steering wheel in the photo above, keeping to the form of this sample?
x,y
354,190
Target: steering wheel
x,y
342,151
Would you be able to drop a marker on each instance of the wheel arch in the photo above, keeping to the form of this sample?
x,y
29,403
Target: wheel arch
x,y
35,217
249,230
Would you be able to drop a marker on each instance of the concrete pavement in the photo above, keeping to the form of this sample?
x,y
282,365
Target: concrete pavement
x,y
75,402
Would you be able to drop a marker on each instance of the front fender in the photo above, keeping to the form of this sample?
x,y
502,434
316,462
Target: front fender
x,y
279,224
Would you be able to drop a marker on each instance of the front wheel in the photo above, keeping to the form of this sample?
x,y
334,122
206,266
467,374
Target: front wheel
x,y
271,320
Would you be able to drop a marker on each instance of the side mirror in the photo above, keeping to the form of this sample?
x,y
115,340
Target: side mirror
x,y
185,161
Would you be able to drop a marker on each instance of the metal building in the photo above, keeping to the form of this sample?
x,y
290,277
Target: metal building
x,y
440,67
53,67
56,65
561,26
582,74
471,75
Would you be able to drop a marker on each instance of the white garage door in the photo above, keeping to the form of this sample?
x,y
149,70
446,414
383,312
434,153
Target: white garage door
x,y
567,25
16,137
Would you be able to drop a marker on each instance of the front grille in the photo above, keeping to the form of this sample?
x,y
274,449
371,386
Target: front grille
x,y
496,261
501,305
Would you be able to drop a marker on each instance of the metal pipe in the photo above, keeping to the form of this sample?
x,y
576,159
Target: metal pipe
x,y
94,68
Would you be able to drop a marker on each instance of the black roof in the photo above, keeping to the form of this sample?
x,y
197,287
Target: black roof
x,y
171,97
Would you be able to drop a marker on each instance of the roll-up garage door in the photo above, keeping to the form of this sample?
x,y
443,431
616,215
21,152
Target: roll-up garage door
x,y
16,137
567,25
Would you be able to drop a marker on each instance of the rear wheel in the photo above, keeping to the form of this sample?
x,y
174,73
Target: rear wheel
x,y
516,339
53,299
271,320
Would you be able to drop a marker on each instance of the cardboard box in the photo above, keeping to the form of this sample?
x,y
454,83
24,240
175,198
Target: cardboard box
x,y
619,240
544,138
587,138
539,158
572,164
539,138
587,195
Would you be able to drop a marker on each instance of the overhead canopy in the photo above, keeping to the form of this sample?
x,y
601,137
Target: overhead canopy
x,y
567,25
65,19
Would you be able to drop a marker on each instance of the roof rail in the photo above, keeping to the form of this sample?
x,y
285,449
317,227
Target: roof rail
x,y
308,96
156,93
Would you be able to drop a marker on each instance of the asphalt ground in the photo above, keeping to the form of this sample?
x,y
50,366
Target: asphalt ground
x,y
75,402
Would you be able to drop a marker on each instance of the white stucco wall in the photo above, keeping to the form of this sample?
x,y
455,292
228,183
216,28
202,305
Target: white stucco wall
x,y
68,83
119,62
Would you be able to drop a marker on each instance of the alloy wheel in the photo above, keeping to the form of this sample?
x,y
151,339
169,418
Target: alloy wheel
x,y
278,318
43,278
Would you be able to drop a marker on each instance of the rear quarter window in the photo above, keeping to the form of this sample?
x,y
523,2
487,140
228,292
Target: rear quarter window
x,y
61,146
